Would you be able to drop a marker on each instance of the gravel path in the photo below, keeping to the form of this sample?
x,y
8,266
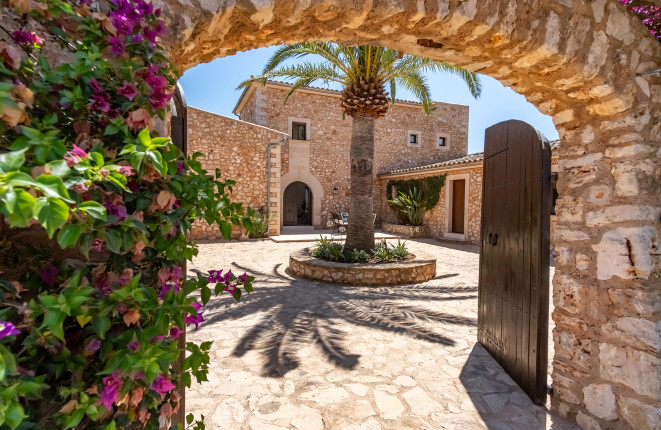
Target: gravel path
x,y
298,354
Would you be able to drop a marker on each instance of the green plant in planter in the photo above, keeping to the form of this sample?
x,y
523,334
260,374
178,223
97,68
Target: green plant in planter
x,y
258,225
410,205
384,252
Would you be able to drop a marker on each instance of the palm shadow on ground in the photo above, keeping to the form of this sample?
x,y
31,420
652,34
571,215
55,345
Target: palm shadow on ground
x,y
296,313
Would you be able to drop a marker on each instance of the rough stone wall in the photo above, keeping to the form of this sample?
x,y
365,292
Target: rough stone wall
x,y
578,61
436,218
239,150
330,137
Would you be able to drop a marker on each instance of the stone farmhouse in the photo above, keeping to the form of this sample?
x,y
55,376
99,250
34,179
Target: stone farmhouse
x,y
294,158
302,148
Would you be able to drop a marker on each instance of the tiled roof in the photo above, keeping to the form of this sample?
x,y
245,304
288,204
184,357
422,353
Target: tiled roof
x,y
466,159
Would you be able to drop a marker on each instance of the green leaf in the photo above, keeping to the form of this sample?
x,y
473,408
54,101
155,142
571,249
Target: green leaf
x,y
52,213
18,207
225,229
54,320
12,160
94,209
58,168
111,129
144,137
111,426
14,415
97,158
69,235
114,241
101,325
7,363
205,294
52,186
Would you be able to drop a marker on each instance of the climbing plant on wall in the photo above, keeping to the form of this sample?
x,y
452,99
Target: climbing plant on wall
x,y
94,211
430,188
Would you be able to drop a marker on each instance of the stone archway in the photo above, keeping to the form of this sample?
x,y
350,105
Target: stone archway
x,y
315,187
576,60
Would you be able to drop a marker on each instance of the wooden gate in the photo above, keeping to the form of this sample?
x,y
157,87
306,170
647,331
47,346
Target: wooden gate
x,y
514,253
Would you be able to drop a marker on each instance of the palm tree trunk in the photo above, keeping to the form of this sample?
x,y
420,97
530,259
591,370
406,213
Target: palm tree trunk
x,y
360,232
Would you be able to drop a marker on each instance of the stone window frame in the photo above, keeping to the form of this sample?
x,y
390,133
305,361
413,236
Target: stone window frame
x,y
290,125
418,135
448,208
447,141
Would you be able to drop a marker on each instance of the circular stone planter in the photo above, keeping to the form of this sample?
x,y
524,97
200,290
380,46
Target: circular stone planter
x,y
420,269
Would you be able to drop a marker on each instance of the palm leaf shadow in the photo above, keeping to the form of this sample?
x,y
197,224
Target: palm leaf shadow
x,y
296,313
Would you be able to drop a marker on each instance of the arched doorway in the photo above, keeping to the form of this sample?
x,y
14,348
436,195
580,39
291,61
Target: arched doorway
x,y
297,204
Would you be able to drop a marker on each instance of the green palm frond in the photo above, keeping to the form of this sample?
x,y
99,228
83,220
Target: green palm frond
x,y
351,64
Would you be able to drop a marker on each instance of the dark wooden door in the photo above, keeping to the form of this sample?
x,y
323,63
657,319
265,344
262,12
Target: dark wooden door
x,y
297,203
514,255
458,203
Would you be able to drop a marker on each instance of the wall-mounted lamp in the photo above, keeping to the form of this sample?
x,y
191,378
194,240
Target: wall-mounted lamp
x,y
335,190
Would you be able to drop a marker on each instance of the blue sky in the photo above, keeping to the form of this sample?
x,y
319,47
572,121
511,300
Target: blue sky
x,y
211,87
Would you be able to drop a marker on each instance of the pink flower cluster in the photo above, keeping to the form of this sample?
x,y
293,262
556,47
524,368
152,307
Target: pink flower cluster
x,y
113,384
194,319
169,278
217,277
75,156
128,19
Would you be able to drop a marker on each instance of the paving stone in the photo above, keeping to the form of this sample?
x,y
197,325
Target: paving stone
x,y
358,389
267,371
389,406
307,418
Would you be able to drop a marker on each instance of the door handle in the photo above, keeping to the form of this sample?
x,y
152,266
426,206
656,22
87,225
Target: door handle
x,y
490,238
495,239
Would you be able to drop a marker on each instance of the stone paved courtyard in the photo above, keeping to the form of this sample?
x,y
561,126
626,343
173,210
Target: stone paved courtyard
x,y
298,354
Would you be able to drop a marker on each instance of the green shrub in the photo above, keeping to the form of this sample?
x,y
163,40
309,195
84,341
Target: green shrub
x,y
383,252
357,256
410,205
258,222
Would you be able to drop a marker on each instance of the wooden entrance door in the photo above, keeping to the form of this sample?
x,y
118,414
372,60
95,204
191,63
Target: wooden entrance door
x,y
514,254
458,204
297,204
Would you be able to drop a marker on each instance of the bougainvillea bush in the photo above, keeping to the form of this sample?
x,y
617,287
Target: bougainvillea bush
x,y
95,208
649,11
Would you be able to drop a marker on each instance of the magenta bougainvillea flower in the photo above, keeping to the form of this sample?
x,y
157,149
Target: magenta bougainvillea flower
x,y
22,37
111,386
7,329
99,103
175,332
194,319
49,275
162,385
128,90
93,345
133,345
97,244
126,170
116,45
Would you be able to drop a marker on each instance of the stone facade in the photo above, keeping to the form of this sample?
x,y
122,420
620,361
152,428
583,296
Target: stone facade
x,y
239,149
438,218
585,63
322,161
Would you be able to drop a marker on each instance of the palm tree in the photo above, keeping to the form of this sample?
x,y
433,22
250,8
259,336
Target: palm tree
x,y
364,72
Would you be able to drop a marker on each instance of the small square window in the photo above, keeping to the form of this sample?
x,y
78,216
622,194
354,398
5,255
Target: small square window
x,y
442,141
413,139
298,131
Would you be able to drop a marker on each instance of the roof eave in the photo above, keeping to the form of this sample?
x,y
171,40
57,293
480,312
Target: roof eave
x,y
243,98
432,170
